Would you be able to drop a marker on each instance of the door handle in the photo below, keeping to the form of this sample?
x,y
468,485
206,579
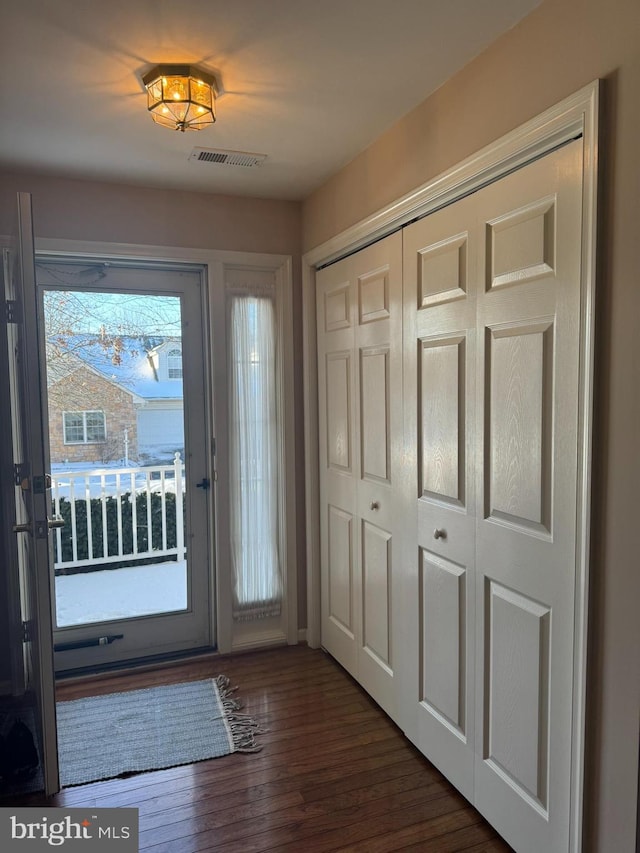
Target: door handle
x,y
28,526
439,533
40,484
203,484
375,505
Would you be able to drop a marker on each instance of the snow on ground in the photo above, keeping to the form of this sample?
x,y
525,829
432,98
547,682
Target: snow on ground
x,y
121,593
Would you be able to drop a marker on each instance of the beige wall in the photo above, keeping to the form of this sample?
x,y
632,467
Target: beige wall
x,y
117,213
559,48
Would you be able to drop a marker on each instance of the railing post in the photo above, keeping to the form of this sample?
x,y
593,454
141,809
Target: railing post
x,y
177,462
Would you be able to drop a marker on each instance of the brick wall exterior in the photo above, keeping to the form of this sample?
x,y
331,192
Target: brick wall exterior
x,y
84,390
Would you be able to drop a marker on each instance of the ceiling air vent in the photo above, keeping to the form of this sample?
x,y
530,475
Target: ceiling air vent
x,y
227,158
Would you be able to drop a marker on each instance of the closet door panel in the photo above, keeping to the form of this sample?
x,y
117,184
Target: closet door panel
x,y
443,687
375,413
518,679
359,304
519,397
527,449
378,273
376,593
374,294
340,571
441,269
337,409
438,491
441,412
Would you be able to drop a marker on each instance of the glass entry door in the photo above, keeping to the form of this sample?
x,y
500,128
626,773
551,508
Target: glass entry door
x,y
128,422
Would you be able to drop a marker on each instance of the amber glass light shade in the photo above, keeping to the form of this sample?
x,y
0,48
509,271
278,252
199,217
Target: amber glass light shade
x,y
181,97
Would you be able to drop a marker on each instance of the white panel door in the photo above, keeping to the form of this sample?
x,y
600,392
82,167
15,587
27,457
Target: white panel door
x,y
338,468
472,622
438,581
360,402
491,396
528,334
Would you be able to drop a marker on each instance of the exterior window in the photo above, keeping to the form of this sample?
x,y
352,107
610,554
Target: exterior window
x,y
84,427
174,364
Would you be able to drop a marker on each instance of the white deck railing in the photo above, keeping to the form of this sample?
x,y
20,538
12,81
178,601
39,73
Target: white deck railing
x,y
124,485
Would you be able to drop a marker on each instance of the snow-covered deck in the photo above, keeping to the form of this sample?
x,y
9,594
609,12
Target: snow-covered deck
x,y
120,593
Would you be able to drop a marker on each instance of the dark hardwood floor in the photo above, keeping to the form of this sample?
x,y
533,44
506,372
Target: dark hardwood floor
x,y
334,772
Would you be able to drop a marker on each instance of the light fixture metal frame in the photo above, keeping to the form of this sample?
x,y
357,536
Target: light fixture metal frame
x,y
190,73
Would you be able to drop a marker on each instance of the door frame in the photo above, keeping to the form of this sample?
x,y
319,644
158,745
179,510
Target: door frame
x,y
167,632
575,116
215,263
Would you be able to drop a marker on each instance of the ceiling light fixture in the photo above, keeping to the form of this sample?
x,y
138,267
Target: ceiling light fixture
x,y
181,97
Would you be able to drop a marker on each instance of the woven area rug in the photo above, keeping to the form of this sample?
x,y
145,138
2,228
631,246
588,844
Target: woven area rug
x,y
101,737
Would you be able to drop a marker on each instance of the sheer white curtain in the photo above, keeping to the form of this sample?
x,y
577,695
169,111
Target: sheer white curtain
x,y
254,457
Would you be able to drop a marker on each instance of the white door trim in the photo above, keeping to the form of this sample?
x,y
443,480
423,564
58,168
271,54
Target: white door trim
x,y
215,263
575,116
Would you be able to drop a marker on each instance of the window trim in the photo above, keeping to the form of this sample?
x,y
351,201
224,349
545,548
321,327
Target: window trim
x,y
276,284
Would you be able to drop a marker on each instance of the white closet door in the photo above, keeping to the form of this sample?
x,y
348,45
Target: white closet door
x,y
528,332
439,494
465,636
359,310
491,395
338,467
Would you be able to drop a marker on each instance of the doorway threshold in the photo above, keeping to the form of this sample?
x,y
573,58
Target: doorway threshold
x,y
145,664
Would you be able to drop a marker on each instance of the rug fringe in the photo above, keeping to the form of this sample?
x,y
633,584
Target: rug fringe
x,y
243,727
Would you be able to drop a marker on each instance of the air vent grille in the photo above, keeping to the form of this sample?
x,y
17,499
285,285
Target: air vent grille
x,y
227,158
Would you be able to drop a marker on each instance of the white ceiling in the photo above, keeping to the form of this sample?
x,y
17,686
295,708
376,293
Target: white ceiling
x,y
310,83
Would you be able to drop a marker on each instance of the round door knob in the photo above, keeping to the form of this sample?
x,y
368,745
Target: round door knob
x,y
375,505
438,533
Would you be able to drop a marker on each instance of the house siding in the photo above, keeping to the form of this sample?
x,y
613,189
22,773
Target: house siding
x,y
84,390
160,431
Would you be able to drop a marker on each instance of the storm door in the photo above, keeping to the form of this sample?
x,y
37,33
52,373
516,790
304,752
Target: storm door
x,y
25,508
128,421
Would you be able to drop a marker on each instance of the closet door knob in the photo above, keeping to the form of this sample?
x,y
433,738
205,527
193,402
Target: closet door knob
x,y
375,505
438,533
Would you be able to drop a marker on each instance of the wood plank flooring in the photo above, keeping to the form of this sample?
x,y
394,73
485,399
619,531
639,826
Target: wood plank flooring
x,y
334,773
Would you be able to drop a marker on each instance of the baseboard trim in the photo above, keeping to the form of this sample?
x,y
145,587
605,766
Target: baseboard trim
x,y
259,640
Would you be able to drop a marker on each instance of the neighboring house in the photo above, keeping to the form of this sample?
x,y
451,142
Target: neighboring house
x,y
114,404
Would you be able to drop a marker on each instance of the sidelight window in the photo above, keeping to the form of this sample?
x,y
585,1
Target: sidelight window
x,y
255,476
